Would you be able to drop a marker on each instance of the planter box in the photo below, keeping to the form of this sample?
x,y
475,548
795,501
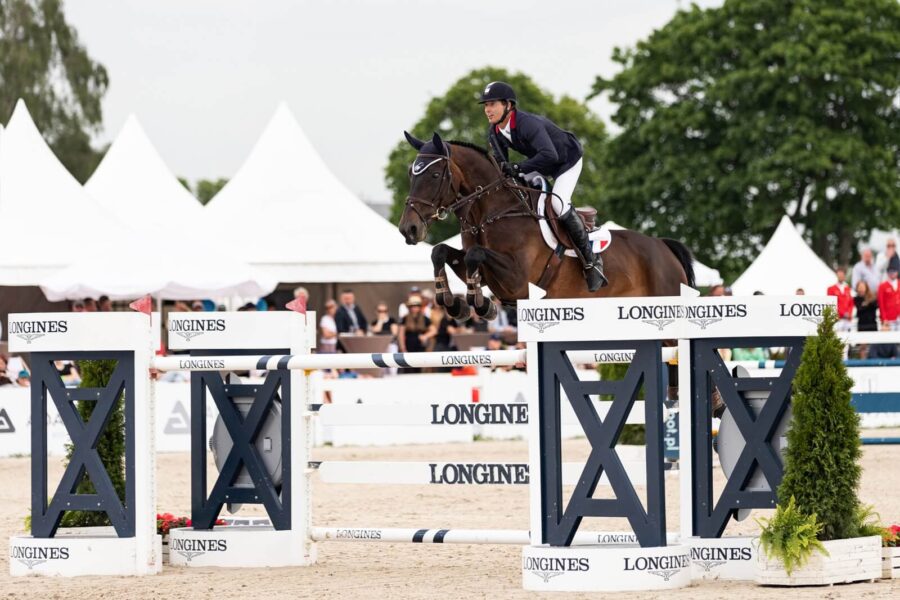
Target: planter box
x,y
856,559
890,563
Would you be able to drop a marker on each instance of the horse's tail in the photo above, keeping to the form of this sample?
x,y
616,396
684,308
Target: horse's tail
x,y
684,256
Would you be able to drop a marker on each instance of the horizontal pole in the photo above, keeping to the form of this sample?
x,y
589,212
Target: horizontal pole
x,y
870,337
518,537
463,473
492,358
879,441
850,362
449,413
401,360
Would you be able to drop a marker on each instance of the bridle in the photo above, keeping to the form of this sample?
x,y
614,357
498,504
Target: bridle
x,y
442,212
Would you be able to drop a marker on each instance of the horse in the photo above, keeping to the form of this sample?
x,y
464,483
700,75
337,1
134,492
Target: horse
x,y
503,247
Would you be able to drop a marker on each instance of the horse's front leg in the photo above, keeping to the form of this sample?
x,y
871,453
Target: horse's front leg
x,y
441,255
484,308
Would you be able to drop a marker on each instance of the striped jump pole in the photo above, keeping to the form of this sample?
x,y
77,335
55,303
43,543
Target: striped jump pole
x,y
515,537
402,360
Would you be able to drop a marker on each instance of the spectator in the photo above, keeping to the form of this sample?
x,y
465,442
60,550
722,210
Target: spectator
x,y
4,377
90,305
717,290
727,292
104,304
441,332
384,323
885,258
349,317
844,300
865,270
477,324
77,306
800,292
402,309
883,350
495,342
500,323
68,372
23,379
866,309
427,301
248,307
413,329
328,333
889,299
749,354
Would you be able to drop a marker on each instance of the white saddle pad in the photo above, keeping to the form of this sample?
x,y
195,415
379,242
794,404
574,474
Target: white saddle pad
x,y
601,238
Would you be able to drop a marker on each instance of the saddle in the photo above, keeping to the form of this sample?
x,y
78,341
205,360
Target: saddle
x,y
588,216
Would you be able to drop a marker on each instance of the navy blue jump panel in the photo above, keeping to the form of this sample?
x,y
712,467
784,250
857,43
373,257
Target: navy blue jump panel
x,y
555,371
47,510
205,509
709,373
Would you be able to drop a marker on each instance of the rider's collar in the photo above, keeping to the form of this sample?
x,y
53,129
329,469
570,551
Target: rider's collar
x,y
510,125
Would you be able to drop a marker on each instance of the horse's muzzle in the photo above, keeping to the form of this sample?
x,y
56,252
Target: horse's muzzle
x,y
412,228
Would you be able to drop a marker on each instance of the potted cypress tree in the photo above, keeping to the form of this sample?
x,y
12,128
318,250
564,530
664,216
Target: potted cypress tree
x,y
820,533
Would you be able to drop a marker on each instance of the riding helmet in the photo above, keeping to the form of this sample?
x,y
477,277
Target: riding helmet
x,y
498,90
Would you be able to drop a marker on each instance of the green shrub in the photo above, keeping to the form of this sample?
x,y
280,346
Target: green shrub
x,y
822,457
111,446
790,536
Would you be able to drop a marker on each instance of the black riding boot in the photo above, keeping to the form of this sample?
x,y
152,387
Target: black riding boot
x,y
593,264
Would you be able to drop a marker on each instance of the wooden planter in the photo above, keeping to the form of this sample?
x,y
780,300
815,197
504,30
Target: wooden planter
x,y
890,563
856,559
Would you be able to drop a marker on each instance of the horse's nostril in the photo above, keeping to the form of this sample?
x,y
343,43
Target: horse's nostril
x,y
412,231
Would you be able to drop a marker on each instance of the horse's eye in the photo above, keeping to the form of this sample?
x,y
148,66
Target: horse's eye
x,y
435,175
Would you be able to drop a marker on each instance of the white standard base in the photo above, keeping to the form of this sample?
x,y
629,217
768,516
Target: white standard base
x,y
890,563
70,556
239,547
728,558
605,568
856,559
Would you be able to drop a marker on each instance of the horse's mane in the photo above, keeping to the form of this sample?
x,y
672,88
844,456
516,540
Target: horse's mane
x,y
470,145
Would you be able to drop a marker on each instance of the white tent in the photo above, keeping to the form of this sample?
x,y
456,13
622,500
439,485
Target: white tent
x,y
133,182
291,218
164,270
785,264
48,219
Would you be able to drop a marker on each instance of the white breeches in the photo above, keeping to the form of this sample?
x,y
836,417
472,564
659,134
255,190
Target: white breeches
x,y
563,187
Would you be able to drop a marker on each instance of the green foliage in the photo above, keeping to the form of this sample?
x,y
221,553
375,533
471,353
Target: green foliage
x,y
43,62
207,188
735,115
456,115
111,447
632,435
791,536
821,468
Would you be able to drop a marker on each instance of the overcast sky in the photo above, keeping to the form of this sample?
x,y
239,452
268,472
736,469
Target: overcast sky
x,y
204,76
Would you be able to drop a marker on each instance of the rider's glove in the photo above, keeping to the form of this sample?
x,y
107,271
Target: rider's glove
x,y
509,169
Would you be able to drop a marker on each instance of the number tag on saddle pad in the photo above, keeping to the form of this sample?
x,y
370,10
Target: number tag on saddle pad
x,y
600,239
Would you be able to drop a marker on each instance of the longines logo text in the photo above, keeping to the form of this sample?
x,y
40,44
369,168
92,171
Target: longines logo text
x,y
543,318
662,566
191,328
710,558
808,312
548,567
31,330
479,473
193,548
31,556
468,359
481,414
358,534
663,315
201,363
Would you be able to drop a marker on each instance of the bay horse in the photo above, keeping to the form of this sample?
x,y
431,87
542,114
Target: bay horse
x,y
502,243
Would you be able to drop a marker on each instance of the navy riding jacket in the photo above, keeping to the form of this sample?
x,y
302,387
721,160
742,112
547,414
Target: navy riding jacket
x,y
549,150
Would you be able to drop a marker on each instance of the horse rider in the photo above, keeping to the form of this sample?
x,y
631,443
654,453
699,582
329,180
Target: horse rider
x,y
550,152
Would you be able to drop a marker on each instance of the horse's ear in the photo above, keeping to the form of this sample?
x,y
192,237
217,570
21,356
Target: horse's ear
x,y
438,143
413,140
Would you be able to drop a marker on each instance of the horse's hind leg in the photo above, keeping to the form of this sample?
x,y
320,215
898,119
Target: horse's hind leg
x,y
485,309
440,256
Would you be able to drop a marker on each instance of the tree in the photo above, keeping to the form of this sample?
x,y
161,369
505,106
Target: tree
x,y
457,115
733,116
821,466
43,63
208,188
